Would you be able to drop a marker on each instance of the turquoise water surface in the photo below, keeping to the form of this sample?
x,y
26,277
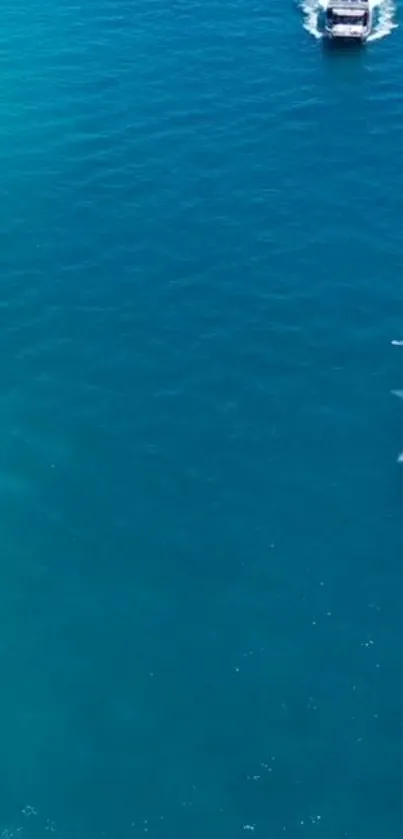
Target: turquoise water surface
x,y
201,625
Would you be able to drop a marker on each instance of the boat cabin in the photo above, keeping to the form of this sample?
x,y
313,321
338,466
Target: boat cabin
x,y
348,19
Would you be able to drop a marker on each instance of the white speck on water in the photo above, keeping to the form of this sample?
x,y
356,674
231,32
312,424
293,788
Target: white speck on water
x,y
29,811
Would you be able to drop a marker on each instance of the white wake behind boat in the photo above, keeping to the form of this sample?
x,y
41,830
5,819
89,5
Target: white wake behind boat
x,y
348,19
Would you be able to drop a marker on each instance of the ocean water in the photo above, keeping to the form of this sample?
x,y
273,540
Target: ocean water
x,y
201,625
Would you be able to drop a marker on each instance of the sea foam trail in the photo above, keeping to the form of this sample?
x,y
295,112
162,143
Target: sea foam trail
x,y
384,17
311,10
385,12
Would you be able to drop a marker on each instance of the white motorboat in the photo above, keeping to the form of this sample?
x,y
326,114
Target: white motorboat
x,y
348,19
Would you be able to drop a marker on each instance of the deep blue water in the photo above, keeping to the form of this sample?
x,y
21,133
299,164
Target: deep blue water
x,y
201,625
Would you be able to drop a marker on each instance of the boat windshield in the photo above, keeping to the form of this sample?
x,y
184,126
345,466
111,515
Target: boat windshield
x,y
335,18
